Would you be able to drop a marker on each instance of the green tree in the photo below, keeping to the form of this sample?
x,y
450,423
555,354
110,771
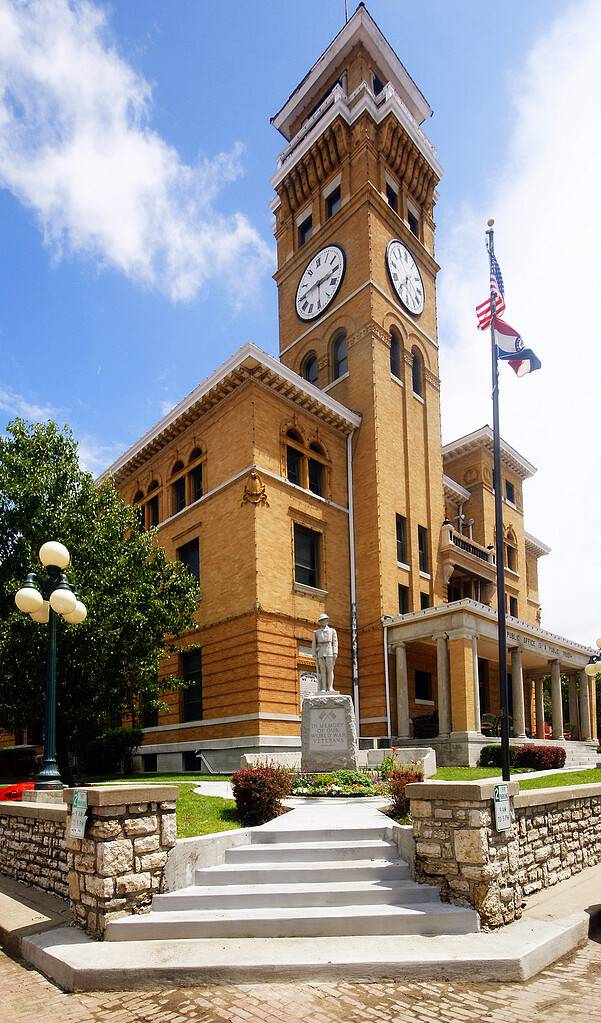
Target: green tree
x,y
137,599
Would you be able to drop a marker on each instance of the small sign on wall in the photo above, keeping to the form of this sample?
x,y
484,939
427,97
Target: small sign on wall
x,y
309,684
502,807
78,813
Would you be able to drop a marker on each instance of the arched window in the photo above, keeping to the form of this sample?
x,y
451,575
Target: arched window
x,y
339,356
138,497
177,468
417,372
307,466
294,458
197,453
195,475
395,354
178,488
310,369
153,486
139,508
316,469
511,550
152,506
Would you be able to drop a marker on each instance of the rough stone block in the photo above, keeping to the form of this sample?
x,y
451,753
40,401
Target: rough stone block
x,y
105,829
131,884
114,857
141,826
147,844
168,830
153,861
74,890
102,887
428,849
470,846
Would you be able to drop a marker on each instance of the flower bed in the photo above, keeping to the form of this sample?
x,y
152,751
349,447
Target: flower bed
x,y
340,783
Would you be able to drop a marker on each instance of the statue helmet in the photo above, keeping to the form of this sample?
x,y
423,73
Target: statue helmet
x,y
323,618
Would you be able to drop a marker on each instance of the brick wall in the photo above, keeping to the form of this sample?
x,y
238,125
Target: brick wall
x,y
32,845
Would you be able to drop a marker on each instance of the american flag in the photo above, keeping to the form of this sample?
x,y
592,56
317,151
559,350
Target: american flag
x,y
484,311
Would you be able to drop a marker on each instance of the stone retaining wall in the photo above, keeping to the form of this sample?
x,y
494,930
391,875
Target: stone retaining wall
x,y
554,833
32,845
120,864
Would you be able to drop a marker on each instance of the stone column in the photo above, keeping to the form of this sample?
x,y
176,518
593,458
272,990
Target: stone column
x,y
517,686
461,668
540,707
120,863
442,675
402,691
573,695
585,707
556,700
477,717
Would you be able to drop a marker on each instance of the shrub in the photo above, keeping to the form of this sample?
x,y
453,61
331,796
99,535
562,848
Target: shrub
x,y
490,756
112,752
397,780
540,758
258,793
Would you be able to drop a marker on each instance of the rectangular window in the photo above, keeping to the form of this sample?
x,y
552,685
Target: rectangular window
x,y
403,599
196,482
305,230
152,514
422,543
189,555
315,477
149,763
423,685
513,607
392,197
306,556
294,466
401,539
178,491
192,694
149,714
510,560
424,600
333,202
413,221
510,492
191,761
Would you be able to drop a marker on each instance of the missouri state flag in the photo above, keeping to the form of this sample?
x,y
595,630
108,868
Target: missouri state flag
x,y
511,349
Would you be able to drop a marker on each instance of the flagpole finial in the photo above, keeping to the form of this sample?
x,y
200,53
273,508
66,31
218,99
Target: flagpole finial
x,y
490,222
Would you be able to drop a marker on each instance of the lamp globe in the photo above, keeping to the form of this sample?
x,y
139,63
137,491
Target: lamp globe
x,y
77,616
63,600
29,599
54,554
42,615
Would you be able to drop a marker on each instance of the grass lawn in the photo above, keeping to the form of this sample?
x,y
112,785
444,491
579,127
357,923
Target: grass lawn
x,y
474,773
196,815
550,781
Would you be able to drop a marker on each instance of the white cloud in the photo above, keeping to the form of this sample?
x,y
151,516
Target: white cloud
x,y
94,456
547,206
15,404
76,147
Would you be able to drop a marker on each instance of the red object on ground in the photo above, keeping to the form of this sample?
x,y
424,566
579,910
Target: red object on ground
x,y
15,791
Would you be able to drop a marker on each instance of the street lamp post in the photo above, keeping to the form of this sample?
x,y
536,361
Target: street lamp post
x,y
43,596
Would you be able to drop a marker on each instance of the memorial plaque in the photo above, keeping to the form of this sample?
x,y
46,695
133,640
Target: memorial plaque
x,y
328,733
327,729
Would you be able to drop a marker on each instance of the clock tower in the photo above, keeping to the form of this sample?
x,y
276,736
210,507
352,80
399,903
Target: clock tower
x,y
356,283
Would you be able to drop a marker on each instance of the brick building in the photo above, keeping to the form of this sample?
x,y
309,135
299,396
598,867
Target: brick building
x,y
319,482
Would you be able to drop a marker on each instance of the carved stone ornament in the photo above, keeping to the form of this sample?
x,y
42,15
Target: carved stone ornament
x,y
487,475
470,476
254,490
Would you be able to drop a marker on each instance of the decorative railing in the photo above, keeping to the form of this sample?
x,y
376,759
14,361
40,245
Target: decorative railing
x,y
469,547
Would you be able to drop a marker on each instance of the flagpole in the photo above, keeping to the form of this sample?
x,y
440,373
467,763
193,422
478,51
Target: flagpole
x,y
499,533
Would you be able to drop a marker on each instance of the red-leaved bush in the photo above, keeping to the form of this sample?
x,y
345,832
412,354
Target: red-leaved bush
x,y
540,758
258,792
397,780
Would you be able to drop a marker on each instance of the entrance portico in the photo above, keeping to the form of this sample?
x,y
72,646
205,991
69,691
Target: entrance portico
x,y
457,642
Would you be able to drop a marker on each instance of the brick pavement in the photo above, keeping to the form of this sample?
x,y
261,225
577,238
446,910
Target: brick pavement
x,y
568,992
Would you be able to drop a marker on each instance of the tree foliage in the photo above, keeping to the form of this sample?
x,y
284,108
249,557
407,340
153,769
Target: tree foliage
x,y
134,595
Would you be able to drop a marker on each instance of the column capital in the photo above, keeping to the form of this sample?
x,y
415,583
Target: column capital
x,y
462,634
440,635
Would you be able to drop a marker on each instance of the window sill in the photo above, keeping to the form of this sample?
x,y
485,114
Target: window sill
x,y
328,387
310,591
510,504
397,380
401,564
510,571
424,703
424,575
419,398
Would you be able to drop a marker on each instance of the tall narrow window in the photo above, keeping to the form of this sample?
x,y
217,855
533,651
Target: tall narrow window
x,y
316,471
392,197
152,512
422,544
401,539
403,599
192,694
189,555
139,509
513,607
340,357
423,686
510,491
424,600
417,373
413,221
294,466
178,491
196,483
306,556
395,354
310,369
333,202
377,84
149,713
305,230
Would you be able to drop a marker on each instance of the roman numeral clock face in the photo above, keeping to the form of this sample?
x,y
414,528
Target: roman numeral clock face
x,y
320,282
405,276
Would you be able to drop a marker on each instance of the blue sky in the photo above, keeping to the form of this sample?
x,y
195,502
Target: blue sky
x,y
103,324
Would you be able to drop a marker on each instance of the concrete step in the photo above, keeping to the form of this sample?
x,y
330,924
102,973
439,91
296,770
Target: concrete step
x,y
292,921
330,893
270,836
303,851
311,873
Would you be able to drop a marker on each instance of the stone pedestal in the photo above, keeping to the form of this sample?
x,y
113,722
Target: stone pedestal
x,y
328,734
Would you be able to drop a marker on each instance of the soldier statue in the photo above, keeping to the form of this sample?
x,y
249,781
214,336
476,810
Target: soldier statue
x,y
325,652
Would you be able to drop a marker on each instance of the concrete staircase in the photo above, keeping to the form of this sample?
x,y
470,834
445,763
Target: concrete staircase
x,y
581,754
296,879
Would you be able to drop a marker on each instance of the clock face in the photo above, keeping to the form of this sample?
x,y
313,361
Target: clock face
x,y
320,282
405,276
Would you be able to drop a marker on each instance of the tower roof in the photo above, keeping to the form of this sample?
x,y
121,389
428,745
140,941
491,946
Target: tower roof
x,y
483,438
360,28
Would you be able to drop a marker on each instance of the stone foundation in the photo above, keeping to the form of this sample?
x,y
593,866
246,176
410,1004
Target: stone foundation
x,y
32,845
559,834
120,864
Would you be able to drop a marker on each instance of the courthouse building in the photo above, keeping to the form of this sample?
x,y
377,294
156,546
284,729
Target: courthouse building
x,y
318,482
